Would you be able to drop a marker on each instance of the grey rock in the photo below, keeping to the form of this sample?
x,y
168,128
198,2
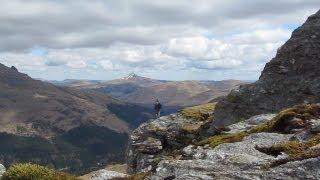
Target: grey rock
x,y
255,120
151,141
292,77
250,123
2,170
105,175
239,161
315,126
245,150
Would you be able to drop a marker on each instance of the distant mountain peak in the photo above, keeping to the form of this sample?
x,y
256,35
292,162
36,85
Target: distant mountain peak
x,y
131,76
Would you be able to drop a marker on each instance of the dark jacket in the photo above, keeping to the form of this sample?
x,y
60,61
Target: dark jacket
x,y
157,106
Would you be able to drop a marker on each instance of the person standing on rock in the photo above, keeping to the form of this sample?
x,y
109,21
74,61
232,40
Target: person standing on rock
x,y
157,108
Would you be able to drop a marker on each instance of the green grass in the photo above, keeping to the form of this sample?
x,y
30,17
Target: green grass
x,y
294,149
29,171
199,112
280,123
216,140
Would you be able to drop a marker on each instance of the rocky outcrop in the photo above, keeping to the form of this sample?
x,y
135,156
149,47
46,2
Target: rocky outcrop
x,y
2,170
226,160
291,78
208,170
269,148
157,139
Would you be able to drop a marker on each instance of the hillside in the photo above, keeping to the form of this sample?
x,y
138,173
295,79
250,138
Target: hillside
x,y
60,125
143,91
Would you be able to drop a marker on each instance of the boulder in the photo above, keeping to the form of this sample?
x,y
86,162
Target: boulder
x,y
157,139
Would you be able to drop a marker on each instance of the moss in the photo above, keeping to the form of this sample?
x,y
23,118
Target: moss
x,y
191,128
198,112
122,168
281,123
216,140
21,129
298,157
314,140
231,97
29,171
294,149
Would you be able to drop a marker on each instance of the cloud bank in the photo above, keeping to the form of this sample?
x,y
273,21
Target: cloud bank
x,y
196,39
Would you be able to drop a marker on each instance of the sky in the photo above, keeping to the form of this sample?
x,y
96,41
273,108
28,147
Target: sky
x,y
172,40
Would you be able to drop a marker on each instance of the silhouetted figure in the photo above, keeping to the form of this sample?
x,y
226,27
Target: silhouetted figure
x,y
157,108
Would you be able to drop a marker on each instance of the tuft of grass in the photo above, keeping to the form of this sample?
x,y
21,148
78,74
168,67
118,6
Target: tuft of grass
x,y
216,140
137,176
232,97
199,112
281,123
27,171
191,128
294,149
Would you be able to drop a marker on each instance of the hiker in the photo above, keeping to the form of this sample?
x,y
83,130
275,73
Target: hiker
x,y
157,108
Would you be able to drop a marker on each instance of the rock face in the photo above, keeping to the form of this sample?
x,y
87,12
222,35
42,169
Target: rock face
x,y
291,78
157,147
226,160
2,170
208,170
153,140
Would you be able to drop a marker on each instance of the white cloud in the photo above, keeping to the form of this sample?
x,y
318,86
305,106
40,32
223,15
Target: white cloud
x,y
260,36
107,65
188,46
212,37
77,64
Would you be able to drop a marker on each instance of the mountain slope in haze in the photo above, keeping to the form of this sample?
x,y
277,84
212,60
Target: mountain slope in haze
x,y
290,78
61,126
173,94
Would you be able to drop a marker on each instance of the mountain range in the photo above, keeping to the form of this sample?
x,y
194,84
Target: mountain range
x,y
80,125
144,91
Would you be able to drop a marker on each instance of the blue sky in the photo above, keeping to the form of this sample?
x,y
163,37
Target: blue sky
x,y
174,40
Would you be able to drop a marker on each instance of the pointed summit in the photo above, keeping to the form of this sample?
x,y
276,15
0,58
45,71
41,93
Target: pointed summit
x,y
132,76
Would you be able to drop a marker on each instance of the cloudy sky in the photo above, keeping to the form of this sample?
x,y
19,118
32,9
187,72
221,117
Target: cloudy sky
x,y
176,40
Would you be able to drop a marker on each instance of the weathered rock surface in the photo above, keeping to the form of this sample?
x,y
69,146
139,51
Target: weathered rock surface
x,y
208,170
291,78
105,175
249,123
2,170
152,140
226,160
238,160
